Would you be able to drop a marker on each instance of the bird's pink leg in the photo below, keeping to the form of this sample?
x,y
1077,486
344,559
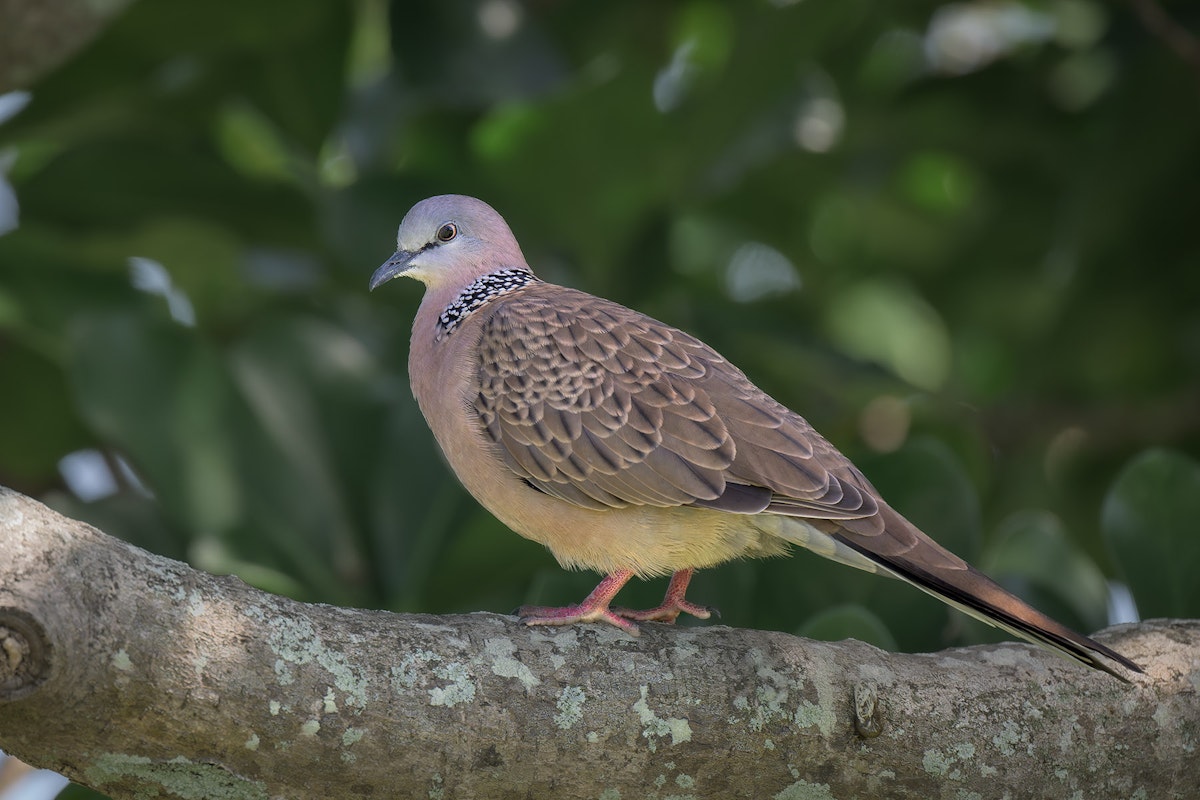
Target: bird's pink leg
x,y
593,609
673,603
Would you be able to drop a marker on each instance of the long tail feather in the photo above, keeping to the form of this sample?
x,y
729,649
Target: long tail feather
x,y
974,593
904,552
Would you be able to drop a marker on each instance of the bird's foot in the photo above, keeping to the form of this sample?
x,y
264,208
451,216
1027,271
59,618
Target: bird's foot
x,y
673,604
594,608
668,612
569,615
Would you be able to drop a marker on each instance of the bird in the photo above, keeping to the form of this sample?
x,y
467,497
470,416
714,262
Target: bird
x,y
631,448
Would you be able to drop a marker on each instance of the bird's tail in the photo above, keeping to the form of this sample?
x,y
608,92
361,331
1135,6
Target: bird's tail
x,y
903,551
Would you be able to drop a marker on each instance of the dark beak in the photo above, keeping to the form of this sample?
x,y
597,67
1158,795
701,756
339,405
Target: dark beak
x,y
392,268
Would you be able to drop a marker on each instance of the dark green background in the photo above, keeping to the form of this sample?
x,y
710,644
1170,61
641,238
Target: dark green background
x,y
1009,257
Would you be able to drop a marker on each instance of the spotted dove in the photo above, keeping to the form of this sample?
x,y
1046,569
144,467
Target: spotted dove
x,y
628,447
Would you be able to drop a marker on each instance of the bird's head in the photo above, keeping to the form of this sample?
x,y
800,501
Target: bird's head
x,y
448,241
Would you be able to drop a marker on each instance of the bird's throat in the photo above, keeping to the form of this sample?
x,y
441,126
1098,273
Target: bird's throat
x,y
478,293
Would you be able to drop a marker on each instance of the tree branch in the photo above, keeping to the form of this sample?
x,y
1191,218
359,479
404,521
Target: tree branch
x,y
139,676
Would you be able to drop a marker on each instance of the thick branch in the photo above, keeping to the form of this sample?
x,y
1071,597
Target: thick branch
x,y
137,675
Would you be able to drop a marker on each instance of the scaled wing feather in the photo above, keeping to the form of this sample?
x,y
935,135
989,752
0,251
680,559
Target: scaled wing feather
x,y
604,407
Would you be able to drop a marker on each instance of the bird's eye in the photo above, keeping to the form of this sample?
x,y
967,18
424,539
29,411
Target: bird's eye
x,y
447,232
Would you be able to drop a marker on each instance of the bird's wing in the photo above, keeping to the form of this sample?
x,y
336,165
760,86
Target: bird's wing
x,y
605,407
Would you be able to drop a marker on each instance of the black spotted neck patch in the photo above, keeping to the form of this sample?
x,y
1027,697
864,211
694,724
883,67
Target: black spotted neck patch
x,y
479,292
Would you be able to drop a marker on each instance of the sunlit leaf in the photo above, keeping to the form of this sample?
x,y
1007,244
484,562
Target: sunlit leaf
x,y
887,323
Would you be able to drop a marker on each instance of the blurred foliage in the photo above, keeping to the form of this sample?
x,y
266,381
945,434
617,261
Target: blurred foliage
x,y
1150,523
961,239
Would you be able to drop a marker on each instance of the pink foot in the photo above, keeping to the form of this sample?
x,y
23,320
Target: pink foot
x,y
569,615
593,609
672,606
667,612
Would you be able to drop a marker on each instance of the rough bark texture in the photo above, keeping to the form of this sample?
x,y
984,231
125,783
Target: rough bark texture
x,y
141,677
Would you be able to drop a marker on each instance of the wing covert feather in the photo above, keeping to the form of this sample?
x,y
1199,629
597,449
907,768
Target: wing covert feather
x,y
605,407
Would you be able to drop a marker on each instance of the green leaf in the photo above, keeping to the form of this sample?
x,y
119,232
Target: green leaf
x,y
888,323
38,426
1150,521
301,384
850,621
154,391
